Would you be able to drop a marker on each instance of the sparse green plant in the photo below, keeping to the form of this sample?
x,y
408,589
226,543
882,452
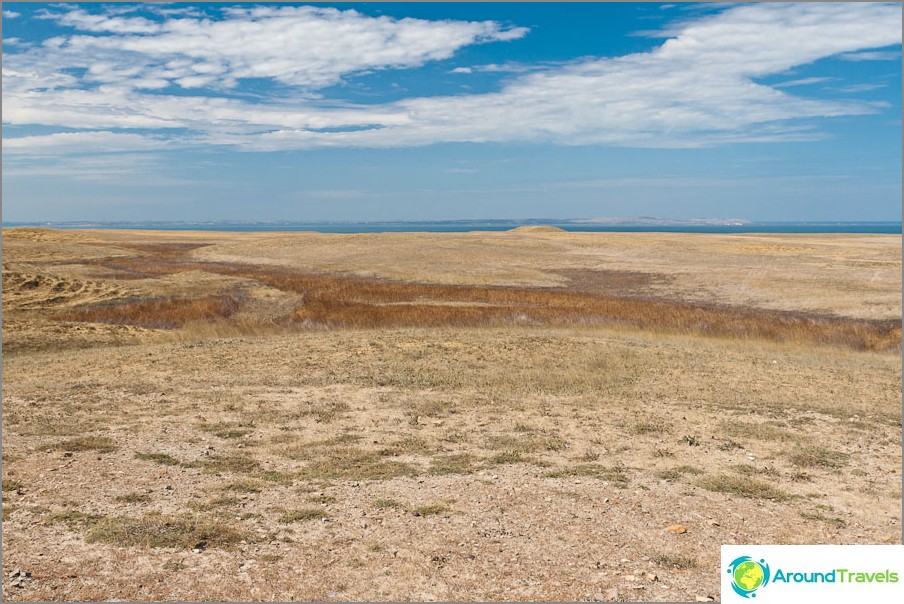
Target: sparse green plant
x,y
387,503
677,472
11,485
303,514
818,457
508,457
742,486
158,530
834,521
100,444
243,486
614,474
461,463
430,510
75,518
161,458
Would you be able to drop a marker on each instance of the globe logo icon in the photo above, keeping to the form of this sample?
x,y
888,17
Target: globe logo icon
x,y
748,575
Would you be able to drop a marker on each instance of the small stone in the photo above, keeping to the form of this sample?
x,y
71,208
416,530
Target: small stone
x,y
713,523
704,599
168,487
652,577
629,578
676,529
612,594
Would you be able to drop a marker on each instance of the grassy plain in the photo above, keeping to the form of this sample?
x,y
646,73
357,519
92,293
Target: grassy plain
x,y
472,416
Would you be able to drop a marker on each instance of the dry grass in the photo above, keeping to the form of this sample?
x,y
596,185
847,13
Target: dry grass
x,y
818,457
354,464
331,301
574,429
430,510
158,530
101,444
742,486
303,514
614,475
161,458
164,313
11,485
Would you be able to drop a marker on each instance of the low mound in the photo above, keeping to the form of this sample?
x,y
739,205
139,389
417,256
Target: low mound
x,y
537,229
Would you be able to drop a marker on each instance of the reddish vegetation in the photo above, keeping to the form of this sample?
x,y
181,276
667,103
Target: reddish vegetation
x,y
370,303
157,313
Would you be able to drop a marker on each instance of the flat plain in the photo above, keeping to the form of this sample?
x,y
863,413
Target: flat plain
x,y
522,415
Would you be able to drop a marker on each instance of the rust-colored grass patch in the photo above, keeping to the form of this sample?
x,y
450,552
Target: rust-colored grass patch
x,y
161,313
343,301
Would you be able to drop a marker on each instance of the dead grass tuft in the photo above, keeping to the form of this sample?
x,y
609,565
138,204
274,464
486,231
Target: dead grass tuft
x,y
818,457
461,463
742,486
161,458
101,444
430,510
11,485
302,515
674,561
677,472
614,474
354,464
157,530
135,497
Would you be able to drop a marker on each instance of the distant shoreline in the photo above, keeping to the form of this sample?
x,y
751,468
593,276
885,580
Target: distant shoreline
x,y
459,226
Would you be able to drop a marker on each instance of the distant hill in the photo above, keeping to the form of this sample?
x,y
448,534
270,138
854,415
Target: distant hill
x,y
540,228
649,220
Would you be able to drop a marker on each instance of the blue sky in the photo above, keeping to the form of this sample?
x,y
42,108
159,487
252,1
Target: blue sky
x,y
451,111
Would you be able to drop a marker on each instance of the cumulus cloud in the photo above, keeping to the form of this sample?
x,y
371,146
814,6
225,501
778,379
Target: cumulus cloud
x,y
301,46
9,14
699,87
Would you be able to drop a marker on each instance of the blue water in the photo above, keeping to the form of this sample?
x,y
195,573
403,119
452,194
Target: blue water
x,y
460,226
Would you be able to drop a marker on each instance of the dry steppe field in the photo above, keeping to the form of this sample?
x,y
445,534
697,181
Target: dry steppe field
x,y
525,415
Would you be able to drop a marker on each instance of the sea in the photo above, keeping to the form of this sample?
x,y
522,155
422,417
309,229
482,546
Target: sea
x,y
462,226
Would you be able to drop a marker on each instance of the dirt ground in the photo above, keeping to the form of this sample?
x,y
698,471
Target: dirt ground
x,y
199,416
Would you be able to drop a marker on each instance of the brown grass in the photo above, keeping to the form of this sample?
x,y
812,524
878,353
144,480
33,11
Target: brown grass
x,y
161,313
331,301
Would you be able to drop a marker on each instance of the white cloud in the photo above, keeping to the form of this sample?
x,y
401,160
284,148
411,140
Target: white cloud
x,y
461,70
803,82
80,142
872,55
8,14
697,88
302,46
